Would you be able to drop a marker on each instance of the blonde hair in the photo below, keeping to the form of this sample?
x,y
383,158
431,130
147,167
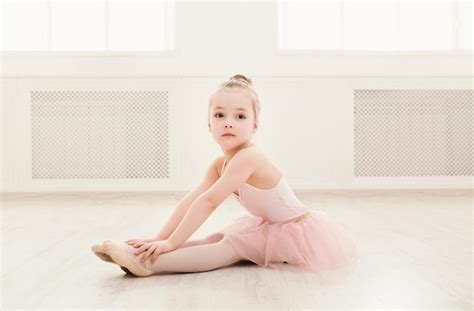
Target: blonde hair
x,y
242,82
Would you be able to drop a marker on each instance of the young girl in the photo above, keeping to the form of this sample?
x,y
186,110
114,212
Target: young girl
x,y
278,229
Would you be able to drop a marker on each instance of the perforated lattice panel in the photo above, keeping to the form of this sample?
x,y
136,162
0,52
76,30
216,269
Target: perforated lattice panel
x,y
413,133
99,134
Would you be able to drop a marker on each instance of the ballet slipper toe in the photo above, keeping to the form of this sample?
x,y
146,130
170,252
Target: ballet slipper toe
x,y
124,257
99,250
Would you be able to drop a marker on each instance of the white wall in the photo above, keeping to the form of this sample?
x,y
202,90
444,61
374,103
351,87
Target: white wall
x,y
307,100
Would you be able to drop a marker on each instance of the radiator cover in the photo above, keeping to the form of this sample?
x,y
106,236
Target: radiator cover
x,y
100,134
413,133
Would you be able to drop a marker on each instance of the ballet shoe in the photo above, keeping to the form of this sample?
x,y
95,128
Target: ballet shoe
x,y
126,270
124,256
99,250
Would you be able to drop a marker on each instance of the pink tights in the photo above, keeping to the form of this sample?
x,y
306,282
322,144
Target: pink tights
x,y
197,255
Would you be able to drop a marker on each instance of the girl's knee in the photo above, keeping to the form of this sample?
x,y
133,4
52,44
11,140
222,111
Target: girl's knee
x,y
227,248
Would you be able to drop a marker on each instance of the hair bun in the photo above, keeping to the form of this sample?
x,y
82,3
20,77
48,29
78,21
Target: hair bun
x,y
243,79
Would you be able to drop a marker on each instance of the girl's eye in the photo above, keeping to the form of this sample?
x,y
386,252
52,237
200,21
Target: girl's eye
x,y
240,115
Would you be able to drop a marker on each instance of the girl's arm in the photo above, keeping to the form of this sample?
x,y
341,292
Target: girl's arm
x,y
211,177
240,168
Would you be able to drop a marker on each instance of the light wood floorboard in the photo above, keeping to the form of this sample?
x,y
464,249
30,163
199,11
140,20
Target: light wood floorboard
x,y
415,245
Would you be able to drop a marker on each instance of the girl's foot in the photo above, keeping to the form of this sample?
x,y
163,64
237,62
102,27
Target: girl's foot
x,y
99,250
126,270
123,255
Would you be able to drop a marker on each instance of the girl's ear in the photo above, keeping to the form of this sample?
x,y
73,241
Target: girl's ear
x,y
255,127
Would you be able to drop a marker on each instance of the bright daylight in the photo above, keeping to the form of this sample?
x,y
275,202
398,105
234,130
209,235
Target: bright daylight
x,y
236,154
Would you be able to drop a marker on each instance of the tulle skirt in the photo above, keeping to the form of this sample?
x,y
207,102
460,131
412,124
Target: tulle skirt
x,y
314,242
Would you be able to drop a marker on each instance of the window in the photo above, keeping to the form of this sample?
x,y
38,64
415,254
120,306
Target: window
x,y
87,25
377,25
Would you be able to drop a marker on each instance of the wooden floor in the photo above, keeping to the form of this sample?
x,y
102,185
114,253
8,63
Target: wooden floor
x,y
415,246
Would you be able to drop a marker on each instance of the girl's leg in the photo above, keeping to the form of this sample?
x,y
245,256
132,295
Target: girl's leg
x,y
213,238
208,240
196,258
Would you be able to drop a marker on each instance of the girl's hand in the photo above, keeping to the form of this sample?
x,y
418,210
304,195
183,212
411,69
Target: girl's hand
x,y
140,242
154,249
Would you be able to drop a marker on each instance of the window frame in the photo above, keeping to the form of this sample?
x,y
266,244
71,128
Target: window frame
x,y
170,6
294,52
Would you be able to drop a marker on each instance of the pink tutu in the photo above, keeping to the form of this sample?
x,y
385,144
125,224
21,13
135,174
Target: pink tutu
x,y
314,243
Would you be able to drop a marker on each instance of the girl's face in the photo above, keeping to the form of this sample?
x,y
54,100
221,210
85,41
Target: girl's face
x,y
231,112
